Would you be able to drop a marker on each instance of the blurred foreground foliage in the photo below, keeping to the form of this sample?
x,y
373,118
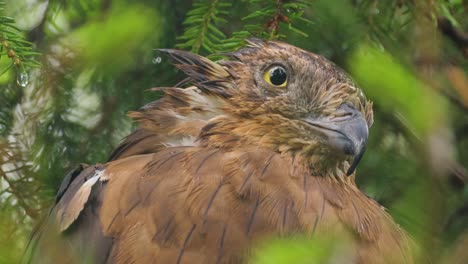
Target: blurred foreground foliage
x,y
97,61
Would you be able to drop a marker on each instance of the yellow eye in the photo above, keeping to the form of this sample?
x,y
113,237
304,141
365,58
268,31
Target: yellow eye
x,y
276,76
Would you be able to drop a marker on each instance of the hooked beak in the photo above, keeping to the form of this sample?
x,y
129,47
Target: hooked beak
x,y
347,133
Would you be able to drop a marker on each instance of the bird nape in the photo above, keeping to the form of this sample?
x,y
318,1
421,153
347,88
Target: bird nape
x,y
263,144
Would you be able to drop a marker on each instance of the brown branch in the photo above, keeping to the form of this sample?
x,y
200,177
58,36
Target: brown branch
x,y
37,34
459,176
107,110
274,23
461,132
19,198
454,100
458,214
9,155
459,37
10,51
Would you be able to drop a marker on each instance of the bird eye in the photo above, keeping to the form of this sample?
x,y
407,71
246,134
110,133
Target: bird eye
x,y
276,76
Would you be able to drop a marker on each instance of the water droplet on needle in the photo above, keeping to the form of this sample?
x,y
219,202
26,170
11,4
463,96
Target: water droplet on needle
x,y
22,79
157,60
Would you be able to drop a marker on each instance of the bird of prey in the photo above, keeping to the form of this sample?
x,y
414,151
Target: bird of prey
x,y
260,145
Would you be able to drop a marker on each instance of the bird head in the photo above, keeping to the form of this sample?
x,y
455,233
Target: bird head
x,y
282,97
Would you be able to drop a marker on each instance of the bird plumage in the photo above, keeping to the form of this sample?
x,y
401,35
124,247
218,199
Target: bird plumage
x,y
220,166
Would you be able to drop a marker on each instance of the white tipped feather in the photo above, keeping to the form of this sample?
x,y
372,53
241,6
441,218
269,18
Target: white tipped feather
x,y
67,215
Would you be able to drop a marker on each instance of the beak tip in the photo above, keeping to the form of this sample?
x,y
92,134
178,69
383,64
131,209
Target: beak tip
x,y
351,169
356,161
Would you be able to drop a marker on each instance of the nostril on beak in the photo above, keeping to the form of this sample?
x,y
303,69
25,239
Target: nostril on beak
x,y
346,111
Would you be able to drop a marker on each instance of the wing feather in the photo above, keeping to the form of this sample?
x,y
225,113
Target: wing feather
x,y
199,205
174,120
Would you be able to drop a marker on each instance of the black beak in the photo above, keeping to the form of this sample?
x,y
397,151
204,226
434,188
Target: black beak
x,y
346,133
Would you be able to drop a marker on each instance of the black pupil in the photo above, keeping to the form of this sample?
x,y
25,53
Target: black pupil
x,y
277,76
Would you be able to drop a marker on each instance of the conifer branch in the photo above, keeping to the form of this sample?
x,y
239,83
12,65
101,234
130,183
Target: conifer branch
x,y
202,26
266,21
14,45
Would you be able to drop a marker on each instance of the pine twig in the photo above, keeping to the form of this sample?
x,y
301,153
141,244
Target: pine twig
x,y
14,45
